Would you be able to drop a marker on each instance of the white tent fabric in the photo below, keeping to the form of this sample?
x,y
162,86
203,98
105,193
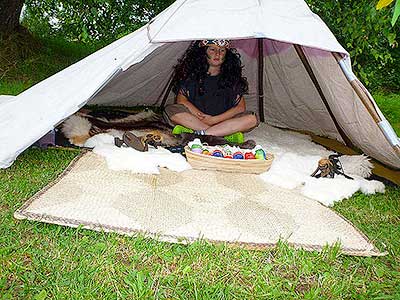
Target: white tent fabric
x,y
135,69
284,20
37,110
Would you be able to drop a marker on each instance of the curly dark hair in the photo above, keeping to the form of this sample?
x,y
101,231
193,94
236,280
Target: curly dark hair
x,y
193,65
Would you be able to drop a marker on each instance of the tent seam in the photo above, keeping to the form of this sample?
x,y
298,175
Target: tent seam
x,y
148,32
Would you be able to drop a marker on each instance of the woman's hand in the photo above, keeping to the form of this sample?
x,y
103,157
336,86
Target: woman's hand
x,y
200,115
209,120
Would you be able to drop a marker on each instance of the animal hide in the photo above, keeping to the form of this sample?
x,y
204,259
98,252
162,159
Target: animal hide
x,y
86,123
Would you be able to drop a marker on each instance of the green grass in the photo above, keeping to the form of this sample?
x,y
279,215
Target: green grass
x,y
42,261
22,67
390,107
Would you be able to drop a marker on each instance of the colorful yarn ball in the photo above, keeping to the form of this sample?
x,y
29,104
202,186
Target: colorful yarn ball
x,y
260,154
217,153
206,152
238,155
197,150
249,155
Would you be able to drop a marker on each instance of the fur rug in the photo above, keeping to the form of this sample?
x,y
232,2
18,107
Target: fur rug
x,y
296,157
85,124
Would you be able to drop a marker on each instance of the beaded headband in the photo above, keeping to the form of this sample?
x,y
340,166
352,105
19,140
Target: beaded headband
x,y
220,43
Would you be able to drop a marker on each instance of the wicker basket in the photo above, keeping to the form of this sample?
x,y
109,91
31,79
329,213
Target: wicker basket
x,y
207,162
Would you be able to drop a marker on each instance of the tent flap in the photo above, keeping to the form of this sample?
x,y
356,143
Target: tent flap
x,y
137,68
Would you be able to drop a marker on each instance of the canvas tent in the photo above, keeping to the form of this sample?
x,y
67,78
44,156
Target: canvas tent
x,y
299,76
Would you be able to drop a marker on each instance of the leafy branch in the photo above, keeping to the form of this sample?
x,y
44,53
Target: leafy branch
x,y
383,3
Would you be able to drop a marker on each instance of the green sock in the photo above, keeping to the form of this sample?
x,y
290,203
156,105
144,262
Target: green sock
x,y
237,137
178,129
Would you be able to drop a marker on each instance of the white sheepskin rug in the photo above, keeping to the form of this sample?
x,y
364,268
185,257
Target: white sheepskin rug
x,y
296,157
126,158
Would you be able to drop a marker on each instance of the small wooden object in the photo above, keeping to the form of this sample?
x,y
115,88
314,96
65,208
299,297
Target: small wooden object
x,y
208,162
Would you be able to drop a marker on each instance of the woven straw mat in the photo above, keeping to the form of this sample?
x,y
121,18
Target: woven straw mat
x,y
182,207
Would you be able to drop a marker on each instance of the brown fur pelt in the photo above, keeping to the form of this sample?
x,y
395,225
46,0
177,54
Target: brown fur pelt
x,y
86,123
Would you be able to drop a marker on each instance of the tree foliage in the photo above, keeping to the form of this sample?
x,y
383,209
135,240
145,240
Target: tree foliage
x,y
365,32
90,20
384,3
368,36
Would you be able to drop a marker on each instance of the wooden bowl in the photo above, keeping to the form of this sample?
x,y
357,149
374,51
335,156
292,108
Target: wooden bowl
x,y
208,162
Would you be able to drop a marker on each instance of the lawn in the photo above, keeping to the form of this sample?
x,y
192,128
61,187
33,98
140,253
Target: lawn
x,y
41,261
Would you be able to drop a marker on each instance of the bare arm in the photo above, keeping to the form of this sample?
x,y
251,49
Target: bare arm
x,y
181,99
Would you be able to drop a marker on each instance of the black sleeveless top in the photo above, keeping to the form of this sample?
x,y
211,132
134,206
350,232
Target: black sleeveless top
x,y
214,100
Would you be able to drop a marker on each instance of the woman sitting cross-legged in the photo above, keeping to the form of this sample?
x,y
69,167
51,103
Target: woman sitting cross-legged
x,y
209,86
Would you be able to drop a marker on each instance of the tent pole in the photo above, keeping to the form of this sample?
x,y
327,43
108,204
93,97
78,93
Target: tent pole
x,y
367,101
261,79
166,90
313,78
